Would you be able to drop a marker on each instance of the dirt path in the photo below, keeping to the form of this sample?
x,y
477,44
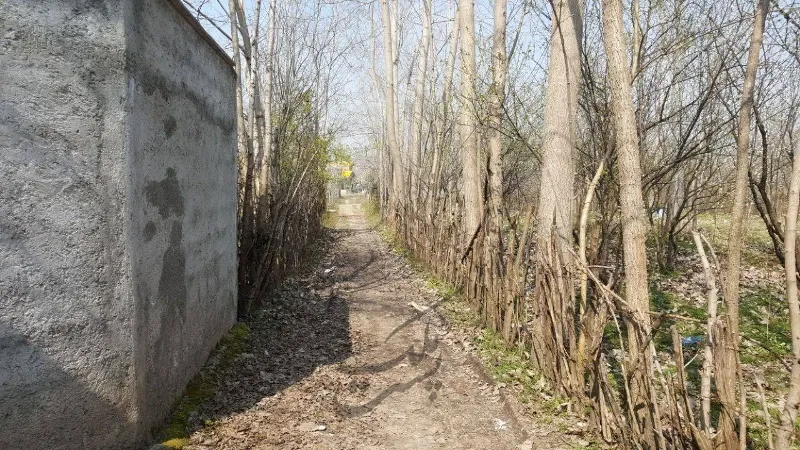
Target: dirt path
x,y
343,361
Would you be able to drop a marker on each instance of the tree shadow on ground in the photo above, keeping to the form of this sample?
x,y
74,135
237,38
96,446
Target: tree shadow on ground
x,y
304,325
301,326
414,357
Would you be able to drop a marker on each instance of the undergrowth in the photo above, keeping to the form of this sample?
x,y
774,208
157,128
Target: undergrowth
x,y
330,219
766,332
203,386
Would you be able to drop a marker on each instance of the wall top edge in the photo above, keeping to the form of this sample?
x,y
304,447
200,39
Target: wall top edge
x,y
186,14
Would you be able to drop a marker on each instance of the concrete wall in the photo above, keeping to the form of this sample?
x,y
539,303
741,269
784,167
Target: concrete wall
x,y
182,134
117,217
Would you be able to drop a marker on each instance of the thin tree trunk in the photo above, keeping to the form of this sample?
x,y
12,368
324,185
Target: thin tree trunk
x,y
742,164
728,400
708,356
583,224
398,116
391,109
419,101
633,222
269,158
443,127
237,61
767,415
496,100
494,249
789,413
382,138
638,38
253,94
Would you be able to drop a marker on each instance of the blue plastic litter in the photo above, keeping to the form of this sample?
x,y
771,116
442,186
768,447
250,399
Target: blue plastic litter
x,y
692,340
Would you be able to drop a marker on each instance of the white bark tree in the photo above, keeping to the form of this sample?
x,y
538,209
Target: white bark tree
x,y
789,414
389,43
468,129
419,103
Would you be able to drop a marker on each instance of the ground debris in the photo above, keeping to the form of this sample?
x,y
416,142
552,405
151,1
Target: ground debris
x,y
338,360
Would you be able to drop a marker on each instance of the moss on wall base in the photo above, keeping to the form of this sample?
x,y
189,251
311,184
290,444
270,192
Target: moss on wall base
x,y
202,387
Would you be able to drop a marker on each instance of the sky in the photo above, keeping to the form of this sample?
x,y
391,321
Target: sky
x,y
355,102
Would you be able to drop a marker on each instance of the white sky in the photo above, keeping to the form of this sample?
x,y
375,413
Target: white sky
x,y
354,102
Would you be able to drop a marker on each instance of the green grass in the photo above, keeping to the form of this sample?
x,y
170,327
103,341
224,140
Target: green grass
x,y
665,302
765,325
511,365
203,386
757,250
763,321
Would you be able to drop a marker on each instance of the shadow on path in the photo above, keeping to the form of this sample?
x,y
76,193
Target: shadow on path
x,y
303,325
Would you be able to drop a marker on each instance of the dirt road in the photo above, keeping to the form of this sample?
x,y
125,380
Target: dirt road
x,y
352,358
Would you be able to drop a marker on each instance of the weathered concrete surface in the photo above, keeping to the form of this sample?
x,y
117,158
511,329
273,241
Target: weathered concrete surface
x,y
117,217
182,158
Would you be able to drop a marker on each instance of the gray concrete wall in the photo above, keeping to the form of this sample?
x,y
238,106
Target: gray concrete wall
x,y
182,140
117,217
66,307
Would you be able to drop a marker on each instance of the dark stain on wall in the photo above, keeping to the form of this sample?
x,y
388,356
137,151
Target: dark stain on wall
x,y
151,80
170,309
172,284
149,231
169,126
165,195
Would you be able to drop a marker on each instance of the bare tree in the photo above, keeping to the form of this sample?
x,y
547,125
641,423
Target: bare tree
x,y
728,344
789,413
495,166
269,158
442,124
419,103
554,296
389,42
468,130
633,226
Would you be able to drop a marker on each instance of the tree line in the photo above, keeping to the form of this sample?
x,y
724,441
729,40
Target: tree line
x,y
550,210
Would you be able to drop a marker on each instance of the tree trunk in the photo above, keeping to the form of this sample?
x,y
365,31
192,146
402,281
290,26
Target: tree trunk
x,y
381,141
396,192
443,126
789,413
558,141
240,125
470,152
419,102
726,427
554,295
633,223
269,158
708,356
494,249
